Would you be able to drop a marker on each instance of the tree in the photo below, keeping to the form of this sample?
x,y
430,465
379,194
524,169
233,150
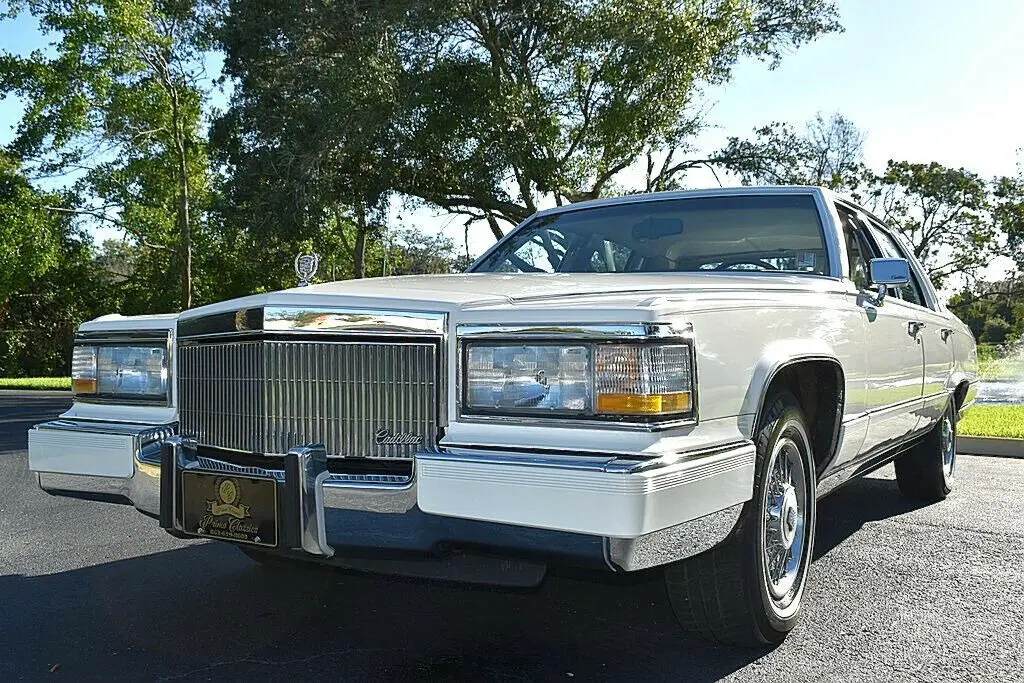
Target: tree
x,y
117,103
481,107
943,213
48,284
1008,215
827,152
993,310
412,252
30,236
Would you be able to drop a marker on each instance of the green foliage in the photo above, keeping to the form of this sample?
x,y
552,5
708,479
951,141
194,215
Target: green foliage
x,y
30,235
827,152
38,322
1008,215
36,383
943,213
411,252
476,107
116,102
47,285
1006,422
993,310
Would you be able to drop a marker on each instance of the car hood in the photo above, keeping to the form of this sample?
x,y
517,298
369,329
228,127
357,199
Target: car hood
x,y
501,291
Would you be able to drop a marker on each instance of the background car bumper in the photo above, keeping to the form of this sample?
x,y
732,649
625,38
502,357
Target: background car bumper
x,y
104,460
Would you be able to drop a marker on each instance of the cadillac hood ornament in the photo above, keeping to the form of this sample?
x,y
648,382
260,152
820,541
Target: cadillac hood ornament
x,y
305,267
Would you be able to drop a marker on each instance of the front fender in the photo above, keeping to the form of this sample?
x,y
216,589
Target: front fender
x,y
776,356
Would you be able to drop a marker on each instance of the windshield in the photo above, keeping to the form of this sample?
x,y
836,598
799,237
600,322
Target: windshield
x,y
763,233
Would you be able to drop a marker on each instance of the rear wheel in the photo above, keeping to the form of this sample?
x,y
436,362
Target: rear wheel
x,y
925,472
747,591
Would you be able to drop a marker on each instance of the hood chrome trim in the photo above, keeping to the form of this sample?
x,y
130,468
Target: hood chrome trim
x,y
313,320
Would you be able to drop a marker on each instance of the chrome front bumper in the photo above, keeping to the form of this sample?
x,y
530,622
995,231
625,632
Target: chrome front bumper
x,y
587,510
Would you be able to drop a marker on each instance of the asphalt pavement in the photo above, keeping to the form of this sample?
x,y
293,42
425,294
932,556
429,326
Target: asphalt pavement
x,y
897,593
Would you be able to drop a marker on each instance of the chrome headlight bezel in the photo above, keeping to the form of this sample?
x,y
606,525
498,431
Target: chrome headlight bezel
x,y
157,343
593,337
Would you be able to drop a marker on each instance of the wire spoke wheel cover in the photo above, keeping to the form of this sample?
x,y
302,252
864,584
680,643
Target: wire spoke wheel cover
x,y
948,446
784,531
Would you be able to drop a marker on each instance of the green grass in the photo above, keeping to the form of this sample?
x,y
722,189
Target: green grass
x,y
1006,422
1001,368
41,383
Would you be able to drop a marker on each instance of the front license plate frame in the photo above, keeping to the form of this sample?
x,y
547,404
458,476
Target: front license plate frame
x,y
231,508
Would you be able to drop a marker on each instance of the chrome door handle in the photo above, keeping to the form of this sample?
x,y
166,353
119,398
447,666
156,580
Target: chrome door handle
x,y
915,326
946,333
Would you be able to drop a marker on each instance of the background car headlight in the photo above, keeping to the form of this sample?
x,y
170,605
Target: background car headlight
x,y
120,371
643,381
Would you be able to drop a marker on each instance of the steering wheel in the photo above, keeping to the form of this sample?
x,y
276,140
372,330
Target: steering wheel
x,y
727,265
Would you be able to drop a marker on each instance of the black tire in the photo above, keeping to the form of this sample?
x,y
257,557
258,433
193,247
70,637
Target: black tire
x,y
925,472
723,595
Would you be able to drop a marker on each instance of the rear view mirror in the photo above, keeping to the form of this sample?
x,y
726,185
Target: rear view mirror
x,y
888,272
891,272
657,228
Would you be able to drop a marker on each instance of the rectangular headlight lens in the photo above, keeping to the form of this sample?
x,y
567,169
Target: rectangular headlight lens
x,y
111,371
516,378
634,379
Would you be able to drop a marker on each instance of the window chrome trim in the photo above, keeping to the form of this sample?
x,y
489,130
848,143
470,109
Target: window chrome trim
x,y
585,333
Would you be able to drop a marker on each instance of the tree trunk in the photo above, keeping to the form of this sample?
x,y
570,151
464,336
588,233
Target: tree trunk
x,y
184,222
359,252
492,223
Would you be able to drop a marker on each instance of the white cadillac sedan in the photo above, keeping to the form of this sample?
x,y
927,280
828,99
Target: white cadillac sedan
x,y
663,382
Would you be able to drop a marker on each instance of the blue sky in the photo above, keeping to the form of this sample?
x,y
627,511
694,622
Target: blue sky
x,y
939,80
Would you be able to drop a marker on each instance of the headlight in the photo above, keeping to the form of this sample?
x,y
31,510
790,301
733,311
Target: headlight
x,y
120,371
640,381
535,379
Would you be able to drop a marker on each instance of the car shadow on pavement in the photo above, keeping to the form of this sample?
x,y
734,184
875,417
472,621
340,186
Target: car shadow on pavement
x,y
203,611
846,510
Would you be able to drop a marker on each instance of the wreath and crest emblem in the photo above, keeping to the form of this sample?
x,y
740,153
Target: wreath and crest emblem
x,y
227,501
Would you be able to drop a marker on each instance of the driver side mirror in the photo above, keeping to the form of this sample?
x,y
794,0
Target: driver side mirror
x,y
888,272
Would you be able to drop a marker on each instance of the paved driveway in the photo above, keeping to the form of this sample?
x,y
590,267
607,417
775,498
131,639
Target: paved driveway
x,y
96,591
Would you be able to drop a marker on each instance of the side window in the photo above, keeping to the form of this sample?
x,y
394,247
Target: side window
x,y
858,253
543,252
913,292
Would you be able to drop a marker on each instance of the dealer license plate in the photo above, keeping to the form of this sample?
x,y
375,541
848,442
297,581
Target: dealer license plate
x,y
230,508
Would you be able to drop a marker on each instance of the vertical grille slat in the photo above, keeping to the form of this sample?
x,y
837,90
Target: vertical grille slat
x,y
268,396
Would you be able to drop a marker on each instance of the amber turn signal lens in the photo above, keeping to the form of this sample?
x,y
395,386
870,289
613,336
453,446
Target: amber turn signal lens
x,y
644,404
83,386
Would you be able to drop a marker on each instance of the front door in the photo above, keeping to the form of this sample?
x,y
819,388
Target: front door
x,y
935,332
895,349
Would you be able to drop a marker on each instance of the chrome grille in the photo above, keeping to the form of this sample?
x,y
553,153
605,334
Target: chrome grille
x,y
268,396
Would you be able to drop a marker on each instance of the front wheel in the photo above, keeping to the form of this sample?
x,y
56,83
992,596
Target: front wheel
x,y
747,591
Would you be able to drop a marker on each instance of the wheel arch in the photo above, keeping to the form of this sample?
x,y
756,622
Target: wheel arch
x,y
817,379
